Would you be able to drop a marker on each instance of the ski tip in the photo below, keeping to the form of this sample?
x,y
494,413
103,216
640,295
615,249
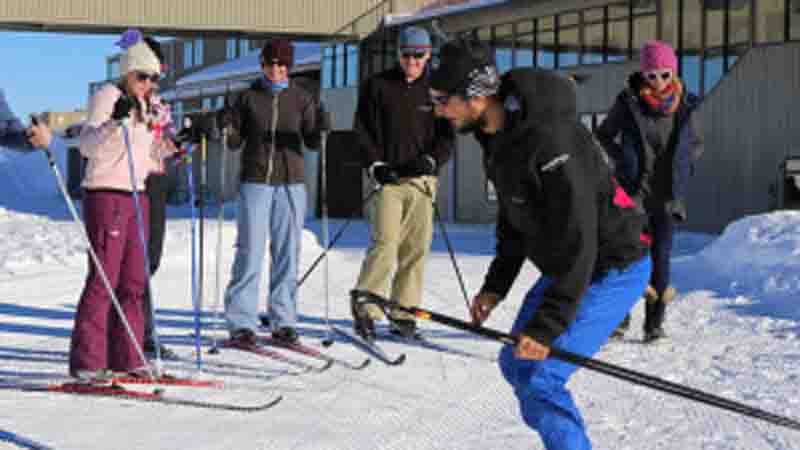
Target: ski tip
x,y
364,364
397,361
328,364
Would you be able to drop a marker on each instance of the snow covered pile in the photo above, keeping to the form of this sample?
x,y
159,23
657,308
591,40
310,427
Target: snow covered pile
x,y
758,256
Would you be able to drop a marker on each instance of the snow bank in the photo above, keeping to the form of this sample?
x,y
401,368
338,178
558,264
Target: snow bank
x,y
758,257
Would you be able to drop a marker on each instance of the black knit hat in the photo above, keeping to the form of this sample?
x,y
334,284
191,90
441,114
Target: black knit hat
x,y
457,60
278,49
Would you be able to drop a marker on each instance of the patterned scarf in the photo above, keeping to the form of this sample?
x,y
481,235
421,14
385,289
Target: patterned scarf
x,y
666,101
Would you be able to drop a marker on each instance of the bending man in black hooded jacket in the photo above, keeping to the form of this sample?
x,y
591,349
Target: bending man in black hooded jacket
x,y
560,208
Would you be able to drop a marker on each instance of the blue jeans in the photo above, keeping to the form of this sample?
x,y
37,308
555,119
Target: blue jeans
x,y
545,403
273,213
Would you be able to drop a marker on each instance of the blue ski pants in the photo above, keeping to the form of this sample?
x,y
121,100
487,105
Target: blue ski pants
x,y
545,403
271,213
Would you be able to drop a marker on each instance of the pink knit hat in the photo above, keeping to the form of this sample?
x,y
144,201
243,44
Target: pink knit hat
x,y
658,55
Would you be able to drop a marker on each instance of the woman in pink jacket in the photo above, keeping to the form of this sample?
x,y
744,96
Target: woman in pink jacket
x,y
100,340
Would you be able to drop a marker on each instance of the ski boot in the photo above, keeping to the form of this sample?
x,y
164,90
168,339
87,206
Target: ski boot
x,y
406,328
286,335
655,311
363,324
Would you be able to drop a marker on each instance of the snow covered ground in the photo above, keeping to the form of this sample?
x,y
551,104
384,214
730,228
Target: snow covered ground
x,y
733,331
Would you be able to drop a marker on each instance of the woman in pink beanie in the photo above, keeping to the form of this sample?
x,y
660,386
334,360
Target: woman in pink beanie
x,y
654,138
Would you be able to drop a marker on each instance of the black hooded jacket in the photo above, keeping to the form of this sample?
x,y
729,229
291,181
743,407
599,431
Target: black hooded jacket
x,y
559,205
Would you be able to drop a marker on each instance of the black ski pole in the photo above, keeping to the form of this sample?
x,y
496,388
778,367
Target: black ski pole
x,y
336,238
622,373
452,254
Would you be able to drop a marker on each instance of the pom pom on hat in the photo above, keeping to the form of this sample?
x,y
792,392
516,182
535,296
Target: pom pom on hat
x,y
138,55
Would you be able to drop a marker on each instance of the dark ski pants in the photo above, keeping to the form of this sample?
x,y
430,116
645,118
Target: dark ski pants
x,y
661,230
545,403
99,339
157,188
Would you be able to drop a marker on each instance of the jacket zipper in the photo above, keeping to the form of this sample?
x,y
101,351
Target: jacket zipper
x,y
273,129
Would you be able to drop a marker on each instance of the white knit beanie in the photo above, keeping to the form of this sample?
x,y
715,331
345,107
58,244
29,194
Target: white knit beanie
x,y
139,57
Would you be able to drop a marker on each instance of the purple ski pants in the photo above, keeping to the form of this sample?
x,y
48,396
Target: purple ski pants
x,y
99,339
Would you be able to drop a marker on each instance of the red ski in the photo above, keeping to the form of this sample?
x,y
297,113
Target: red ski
x,y
312,352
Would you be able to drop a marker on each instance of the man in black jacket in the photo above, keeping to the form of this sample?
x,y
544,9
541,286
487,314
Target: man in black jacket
x,y
403,146
560,209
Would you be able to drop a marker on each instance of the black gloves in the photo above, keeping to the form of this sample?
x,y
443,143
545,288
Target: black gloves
x,y
123,107
383,173
423,164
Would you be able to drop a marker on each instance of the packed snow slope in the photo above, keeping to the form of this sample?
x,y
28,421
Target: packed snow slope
x,y
733,331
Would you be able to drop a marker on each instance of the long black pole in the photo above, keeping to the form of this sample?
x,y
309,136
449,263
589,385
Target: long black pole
x,y
336,238
622,373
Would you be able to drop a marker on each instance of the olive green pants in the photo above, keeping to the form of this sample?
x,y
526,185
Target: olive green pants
x,y
401,227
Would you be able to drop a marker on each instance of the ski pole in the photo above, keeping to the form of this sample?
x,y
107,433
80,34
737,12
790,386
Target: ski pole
x,y
145,250
202,201
326,120
195,290
622,373
220,222
337,236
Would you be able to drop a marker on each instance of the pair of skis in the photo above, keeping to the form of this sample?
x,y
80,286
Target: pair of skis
x,y
265,347
118,387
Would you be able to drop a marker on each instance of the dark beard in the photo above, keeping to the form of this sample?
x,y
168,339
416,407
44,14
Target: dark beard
x,y
473,125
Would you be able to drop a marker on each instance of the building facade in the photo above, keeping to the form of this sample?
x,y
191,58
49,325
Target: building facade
x,y
741,56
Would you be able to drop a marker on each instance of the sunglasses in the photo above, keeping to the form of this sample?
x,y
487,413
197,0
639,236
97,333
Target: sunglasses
x,y
142,76
440,100
274,62
653,76
415,55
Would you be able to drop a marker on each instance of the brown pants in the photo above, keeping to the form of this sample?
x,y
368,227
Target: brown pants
x,y
401,228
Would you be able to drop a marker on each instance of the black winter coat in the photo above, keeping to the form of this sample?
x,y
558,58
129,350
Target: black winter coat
x,y
658,180
559,206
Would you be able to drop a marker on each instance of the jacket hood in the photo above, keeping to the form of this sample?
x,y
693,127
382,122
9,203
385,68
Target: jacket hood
x,y
547,104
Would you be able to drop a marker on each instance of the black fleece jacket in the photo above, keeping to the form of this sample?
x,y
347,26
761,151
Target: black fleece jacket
x,y
395,122
556,198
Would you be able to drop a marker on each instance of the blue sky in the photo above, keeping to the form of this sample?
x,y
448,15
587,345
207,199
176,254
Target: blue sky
x,y
51,72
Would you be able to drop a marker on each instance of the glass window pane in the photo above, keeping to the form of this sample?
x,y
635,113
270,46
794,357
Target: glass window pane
x,y
503,47
771,21
545,57
338,80
739,24
524,27
524,51
567,20
692,28
669,21
618,11
327,68
794,21
644,29
198,52
644,7
569,47
715,27
547,23
713,69
244,47
594,15
618,40
352,65
188,54
690,72
593,44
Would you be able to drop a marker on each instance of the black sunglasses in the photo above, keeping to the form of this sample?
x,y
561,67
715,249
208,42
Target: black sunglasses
x,y
143,76
415,55
653,76
440,100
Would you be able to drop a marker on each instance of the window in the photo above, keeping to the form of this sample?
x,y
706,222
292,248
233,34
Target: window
x,y
546,38
244,47
692,44
618,40
177,112
230,48
198,52
339,80
113,70
713,69
352,65
569,40
327,68
594,36
220,102
188,54
739,20
645,28
715,28
794,21
523,54
771,21
503,43
206,104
